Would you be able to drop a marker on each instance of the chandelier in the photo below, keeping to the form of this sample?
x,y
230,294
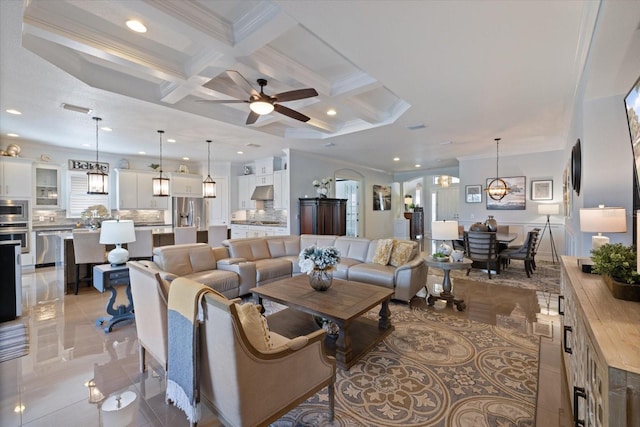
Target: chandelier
x,y
209,185
497,188
97,180
160,185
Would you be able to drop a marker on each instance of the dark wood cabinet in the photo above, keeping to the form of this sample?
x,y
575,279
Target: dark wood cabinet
x,y
323,216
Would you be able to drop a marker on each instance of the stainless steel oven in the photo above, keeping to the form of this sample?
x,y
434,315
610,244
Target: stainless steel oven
x,y
14,211
16,231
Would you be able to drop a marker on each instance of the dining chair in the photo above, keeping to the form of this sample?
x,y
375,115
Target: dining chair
x,y
88,251
216,234
182,235
482,247
142,248
524,253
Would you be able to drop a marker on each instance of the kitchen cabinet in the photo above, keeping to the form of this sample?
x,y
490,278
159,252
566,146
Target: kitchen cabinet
x,y
601,359
239,231
218,207
267,165
134,190
323,216
16,178
185,185
246,185
47,190
264,179
281,189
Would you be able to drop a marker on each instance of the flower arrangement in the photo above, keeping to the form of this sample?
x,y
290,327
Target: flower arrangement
x,y
314,258
94,215
322,186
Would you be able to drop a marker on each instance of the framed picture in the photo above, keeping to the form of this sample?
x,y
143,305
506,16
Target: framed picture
x,y
542,190
381,198
473,193
516,199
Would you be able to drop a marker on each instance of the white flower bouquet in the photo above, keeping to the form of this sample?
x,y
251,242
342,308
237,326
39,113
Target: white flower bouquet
x,y
322,186
314,258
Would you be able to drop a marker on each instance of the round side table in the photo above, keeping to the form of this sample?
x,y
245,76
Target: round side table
x,y
446,267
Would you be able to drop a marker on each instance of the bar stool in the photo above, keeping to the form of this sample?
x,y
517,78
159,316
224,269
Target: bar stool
x,y
182,235
87,250
142,248
217,233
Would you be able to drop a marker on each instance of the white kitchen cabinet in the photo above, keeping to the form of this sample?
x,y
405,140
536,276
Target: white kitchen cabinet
x,y
218,207
16,178
281,190
134,190
185,185
264,179
267,165
47,192
246,185
239,231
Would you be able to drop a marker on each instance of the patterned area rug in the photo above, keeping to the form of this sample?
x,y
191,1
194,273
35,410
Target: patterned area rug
x,y
433,370
14,341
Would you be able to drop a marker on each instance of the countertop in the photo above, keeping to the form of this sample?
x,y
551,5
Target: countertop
x,y
259,223
67,234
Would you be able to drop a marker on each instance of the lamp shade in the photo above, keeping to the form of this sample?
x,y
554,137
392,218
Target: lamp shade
x,y
444,230
116,232
603,220
549,209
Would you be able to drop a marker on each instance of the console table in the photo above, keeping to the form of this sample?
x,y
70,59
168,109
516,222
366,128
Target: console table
x,y
601,350
107,276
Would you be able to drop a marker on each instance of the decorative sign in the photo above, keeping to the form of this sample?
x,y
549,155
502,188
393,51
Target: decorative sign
x,y
84,165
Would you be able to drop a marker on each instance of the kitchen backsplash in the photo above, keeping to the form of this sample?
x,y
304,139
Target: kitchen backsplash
x,y
59,217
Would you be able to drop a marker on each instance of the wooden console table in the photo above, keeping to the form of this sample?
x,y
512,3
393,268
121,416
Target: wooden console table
x,y
601,350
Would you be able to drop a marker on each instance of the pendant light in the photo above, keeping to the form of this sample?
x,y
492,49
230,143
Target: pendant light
x,y
160,184
209,185
97,180
497,188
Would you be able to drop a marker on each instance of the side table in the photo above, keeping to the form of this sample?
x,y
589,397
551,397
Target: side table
x,y
107,276
446,267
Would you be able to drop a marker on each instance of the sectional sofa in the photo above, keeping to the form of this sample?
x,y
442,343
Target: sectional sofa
x,y
241,264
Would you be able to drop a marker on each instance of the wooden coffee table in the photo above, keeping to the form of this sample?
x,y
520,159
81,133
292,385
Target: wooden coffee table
x,y
344,303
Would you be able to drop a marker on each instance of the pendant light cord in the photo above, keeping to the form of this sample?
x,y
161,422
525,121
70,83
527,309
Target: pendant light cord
x,y
160,132
97,119
497,158
208,157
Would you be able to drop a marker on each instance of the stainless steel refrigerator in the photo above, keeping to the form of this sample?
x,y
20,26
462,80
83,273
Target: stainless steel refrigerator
x,y
188,211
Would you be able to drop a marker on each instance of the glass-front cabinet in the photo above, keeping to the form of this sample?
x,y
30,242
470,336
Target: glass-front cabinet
x,y
47,186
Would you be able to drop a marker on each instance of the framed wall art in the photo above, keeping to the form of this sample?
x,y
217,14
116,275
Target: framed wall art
x,y
473,193
381,198
516,199
542,189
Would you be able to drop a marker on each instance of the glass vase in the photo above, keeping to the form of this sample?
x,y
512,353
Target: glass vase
x,y
320,280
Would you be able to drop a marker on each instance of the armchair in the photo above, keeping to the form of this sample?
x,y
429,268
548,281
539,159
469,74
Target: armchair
x,y
238,380
482,247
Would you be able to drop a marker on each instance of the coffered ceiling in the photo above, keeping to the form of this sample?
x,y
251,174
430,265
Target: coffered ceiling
x,y
426,81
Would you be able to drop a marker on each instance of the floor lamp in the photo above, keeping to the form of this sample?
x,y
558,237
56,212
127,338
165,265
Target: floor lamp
x,y
549,209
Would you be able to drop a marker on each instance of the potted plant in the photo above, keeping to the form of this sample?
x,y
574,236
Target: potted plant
x,y
617,263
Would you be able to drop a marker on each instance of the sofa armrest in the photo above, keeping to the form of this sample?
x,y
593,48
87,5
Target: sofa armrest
x,y
230,261
409,278
415,262
169,277
246,271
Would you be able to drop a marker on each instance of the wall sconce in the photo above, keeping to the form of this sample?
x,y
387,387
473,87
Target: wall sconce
x,y
602,220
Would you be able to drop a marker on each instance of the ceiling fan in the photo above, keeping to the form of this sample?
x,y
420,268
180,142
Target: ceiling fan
x,y
260,103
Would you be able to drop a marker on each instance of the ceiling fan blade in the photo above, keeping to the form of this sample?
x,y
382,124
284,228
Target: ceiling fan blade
x,y
292,95
252,117
222,101
242,82
291,113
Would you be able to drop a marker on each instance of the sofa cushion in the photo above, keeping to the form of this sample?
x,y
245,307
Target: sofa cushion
x,y
202,259
383,251
295,267
225,282
255,326
268,270
342,268
374,274
283,246
401,253
321,241
353,247
249,249
177,262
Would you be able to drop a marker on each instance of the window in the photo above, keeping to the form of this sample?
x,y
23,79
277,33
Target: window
x,y
79,200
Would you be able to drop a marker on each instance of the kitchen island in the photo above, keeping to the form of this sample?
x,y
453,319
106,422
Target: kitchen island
x,y
65,255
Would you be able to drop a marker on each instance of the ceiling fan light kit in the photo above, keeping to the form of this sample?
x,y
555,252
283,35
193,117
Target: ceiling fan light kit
x,y
497,188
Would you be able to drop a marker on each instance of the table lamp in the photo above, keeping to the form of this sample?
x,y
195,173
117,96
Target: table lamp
x,y
117,232
602,220
444,230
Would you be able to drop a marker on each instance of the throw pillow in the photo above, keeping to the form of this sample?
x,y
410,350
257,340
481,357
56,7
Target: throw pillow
x,y
383,251
400,253
255,326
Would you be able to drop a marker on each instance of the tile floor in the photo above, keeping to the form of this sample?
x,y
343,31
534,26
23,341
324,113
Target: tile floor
x,y
50,386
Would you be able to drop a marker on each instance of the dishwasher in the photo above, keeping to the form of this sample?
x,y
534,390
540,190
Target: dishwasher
x,y
46,246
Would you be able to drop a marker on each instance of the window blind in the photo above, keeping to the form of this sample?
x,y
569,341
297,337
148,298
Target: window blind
x,y
79,200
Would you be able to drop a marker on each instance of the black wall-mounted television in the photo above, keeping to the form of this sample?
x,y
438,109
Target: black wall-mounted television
x,y
632,104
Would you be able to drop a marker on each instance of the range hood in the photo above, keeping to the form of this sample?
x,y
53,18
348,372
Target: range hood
x,y
263,192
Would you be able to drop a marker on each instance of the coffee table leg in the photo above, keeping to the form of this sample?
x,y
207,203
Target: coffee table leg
x,y
384,322
344,352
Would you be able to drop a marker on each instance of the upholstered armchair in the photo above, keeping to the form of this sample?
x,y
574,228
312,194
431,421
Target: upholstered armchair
x,y
251,387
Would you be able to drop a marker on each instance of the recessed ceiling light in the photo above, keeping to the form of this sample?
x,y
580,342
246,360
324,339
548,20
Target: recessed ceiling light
x,y
76,108
13,135
86,145
19,409
240,152
106,129
171,140
185,158
137,26
445,143
418,166
331,112
251,144
12,111
416,126
329,144
396,159
142,152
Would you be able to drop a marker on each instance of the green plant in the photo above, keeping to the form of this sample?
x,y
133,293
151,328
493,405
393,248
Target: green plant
x,y
154,166
618,261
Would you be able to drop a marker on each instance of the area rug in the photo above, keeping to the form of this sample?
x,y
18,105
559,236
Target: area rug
x,y
435,369
14,341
